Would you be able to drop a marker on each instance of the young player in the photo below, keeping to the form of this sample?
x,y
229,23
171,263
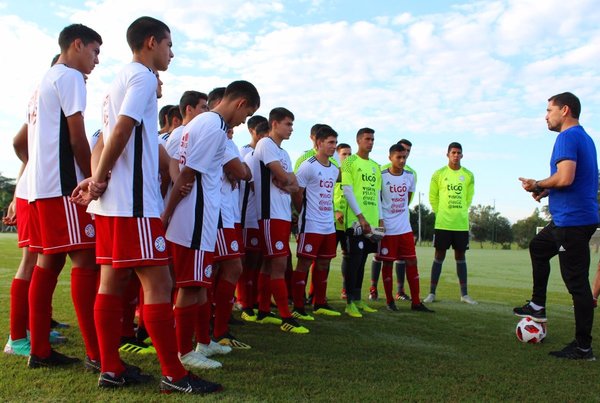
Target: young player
x,y
274,181
361,184
400,264
398,185
339,201
59,156
450,194
128,208
316,238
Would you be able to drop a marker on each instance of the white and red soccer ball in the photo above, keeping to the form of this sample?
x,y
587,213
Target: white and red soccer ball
x,y
530,331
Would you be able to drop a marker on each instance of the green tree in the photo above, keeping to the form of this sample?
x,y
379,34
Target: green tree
x,y
7,190
524,230
427,222
488,225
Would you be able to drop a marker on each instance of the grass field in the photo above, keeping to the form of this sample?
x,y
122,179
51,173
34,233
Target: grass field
x,y
460,353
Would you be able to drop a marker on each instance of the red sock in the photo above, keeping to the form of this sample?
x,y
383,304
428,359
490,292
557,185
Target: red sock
x,y
108,313
42,285
83,293
299,287
412,276
203,323
160,324
130,302
311,289
241,290
320,282
386,274
279,289
264,292
253,295
140,308
249,296
19,308
185,322
223,307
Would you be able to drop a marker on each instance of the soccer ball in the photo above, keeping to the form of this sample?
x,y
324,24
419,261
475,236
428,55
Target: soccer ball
x,y
530,331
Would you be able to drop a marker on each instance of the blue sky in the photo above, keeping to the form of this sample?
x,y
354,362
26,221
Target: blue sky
x,y
477,72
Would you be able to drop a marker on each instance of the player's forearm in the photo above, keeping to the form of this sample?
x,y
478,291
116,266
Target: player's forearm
x,y
237,170
186,176
79,143
113,149
20,144
297,199
351,200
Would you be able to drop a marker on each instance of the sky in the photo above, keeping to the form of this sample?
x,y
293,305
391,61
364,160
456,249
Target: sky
x,y
434,72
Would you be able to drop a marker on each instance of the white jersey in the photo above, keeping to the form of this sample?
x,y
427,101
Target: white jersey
x,y
247,200
229,191
21,188
173,142
194,221
394,201
133,189
244,150
93,139
271,202
318,182
53,170
163,138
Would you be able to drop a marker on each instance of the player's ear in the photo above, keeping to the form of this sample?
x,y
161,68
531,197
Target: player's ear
x,y
241,103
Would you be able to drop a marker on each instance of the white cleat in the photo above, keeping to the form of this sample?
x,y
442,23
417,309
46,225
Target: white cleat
x,y
429,299
197,360
213,348
468,300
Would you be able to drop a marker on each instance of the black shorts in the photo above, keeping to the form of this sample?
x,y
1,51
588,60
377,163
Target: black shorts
x,y
443,239
360,245
341,239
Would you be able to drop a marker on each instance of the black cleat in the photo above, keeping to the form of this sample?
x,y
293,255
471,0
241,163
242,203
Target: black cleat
x,y
400,296
189,384
132,375
527,311
55,359
421,308
92,366
573,352
392,307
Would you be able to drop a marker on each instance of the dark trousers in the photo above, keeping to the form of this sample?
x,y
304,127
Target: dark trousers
x,y
358,248
572,246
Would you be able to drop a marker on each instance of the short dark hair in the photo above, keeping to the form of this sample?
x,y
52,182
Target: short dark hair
x,y
397,148
405,141
454,144
324,132
162,115
54,59
279,114
262,128
342,145
363,131
214,96
568,99
143,28
77,31
315,128
173,113
190,98
255,120
243,89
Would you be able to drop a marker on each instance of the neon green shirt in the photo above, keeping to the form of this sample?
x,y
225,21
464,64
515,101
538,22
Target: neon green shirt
x,y
339,204
365,178
406,168
450,195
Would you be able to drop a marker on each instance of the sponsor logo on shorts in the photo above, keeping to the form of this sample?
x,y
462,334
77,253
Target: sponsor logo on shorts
x,y
208,271
279,245
160,244
254,241
308,248
384,251
90,231
234,246
361,245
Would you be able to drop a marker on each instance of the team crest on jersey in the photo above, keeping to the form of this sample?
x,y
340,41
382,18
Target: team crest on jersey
x,y
461,178
160,244
361,245
254,241
373,169
208,271
384,251
90,231
308,248
279,245
234,246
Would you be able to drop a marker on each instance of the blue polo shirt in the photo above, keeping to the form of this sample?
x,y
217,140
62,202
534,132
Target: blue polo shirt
x,y
576,204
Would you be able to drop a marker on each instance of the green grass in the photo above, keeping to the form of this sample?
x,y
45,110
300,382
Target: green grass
x,y
460,353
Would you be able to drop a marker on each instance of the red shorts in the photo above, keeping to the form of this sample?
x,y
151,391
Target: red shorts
x,y
251,238
275,240
316,246
193,267
125,242
394,247
228,245
60,226
239,232
23,226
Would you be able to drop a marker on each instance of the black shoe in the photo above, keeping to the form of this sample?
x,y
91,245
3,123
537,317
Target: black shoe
x,y
527,311
141,334
573,352
55,359
235,322
392,307
54,324
92,366
400,296
132,375
421,308
189,384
